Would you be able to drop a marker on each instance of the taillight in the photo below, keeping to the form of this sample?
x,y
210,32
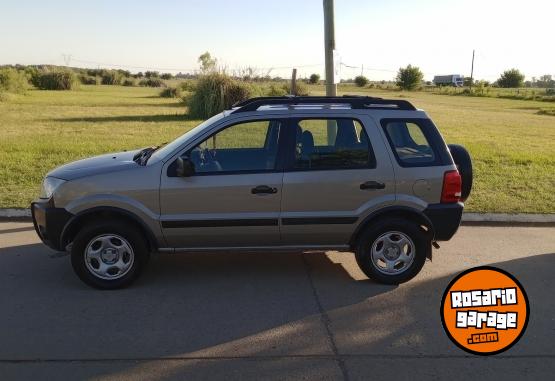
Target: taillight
x,y
452,185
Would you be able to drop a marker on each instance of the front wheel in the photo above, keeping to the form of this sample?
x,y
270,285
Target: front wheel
x,y
108,255
392,251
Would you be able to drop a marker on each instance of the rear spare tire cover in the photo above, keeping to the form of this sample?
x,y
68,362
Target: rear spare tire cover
x,y
464,164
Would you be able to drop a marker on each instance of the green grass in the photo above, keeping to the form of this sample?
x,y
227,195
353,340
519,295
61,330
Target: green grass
x,y
47,128
513,147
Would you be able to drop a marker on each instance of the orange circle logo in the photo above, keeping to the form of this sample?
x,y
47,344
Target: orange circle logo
x,y
485,310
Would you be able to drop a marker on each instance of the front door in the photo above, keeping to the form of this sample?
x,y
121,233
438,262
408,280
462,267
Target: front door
x,y
337,172
233,198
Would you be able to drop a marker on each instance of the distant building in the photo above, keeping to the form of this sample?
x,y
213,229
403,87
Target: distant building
x,y
456,80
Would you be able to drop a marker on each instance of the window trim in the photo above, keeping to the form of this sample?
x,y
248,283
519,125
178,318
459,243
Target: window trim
x,y
290,145
431,134
278,165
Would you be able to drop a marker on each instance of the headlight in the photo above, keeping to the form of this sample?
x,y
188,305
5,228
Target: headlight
x,y
49,185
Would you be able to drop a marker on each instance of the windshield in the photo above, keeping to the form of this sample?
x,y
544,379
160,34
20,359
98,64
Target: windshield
x,y
164,151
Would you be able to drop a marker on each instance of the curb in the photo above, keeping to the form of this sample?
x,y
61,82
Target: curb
x,y
15,214
507,219
468,219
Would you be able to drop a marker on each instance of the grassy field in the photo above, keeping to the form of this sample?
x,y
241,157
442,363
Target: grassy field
x,y
513,146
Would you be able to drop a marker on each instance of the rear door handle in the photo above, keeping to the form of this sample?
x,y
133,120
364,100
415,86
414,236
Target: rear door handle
x,y
372,185
263,189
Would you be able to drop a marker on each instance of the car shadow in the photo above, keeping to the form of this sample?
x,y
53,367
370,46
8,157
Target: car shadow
x,y
234,307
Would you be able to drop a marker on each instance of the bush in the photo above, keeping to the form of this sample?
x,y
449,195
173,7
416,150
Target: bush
x,y
302,89
152,74
511,78
409,78
124,73
128,82
314,79
111,77
361,81
152,82
13,81
166,76
277,91
214,93
187,85
95,72
171,92
87,80
547,111
56,80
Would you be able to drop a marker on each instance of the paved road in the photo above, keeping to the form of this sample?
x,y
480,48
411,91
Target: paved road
x,y
262,316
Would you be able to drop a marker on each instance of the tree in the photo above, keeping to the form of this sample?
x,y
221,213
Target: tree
x,y
207,63
546,81
166,76
314,78
511,78
468,81
361,81
409,78
152,74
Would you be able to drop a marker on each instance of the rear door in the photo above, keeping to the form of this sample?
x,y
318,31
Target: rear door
x,y
337,172
233,199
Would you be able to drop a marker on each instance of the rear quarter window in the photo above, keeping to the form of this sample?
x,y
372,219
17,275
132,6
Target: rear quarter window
x,y
415,142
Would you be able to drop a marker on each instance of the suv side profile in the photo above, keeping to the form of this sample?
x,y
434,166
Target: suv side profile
x,y
356,174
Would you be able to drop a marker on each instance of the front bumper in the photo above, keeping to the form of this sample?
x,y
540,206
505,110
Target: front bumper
x,y
445,219
49,223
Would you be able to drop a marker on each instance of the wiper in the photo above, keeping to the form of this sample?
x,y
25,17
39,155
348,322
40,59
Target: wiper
x,y
143,155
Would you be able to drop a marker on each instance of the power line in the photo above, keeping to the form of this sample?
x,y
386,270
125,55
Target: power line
x,y
67,58
188,69
134,66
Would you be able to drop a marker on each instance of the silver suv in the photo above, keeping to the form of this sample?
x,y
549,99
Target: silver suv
x,y
360,174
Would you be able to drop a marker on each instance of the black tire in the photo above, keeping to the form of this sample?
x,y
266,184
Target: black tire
x,y
128,232
368,237
464,164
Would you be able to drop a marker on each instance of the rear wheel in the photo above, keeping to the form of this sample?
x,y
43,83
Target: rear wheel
x,y
108,255
392,251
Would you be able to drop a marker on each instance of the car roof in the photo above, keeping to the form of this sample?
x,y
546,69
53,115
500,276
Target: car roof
x,y
342,105
311,103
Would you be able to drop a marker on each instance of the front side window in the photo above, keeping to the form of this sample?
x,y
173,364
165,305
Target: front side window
x,y
332,144
244,147
409,143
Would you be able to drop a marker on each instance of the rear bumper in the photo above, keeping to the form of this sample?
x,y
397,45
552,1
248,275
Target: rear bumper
x,y
445,219
49,223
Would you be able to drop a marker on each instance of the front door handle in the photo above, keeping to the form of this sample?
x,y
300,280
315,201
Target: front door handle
x,y
263,189
372,185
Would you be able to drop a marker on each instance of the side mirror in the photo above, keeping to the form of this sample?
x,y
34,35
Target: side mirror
x,y
185,167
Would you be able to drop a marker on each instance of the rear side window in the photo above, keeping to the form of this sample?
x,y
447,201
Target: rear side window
x,y
322,144
410,144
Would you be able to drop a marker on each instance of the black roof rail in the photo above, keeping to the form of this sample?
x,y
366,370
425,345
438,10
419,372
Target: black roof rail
x,y
355,101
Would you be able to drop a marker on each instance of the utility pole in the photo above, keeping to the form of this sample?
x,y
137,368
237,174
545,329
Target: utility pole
x,y
294,82
472,70
329,37
329,44
67,59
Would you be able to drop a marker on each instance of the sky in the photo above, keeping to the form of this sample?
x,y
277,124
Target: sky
x,y
274,36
